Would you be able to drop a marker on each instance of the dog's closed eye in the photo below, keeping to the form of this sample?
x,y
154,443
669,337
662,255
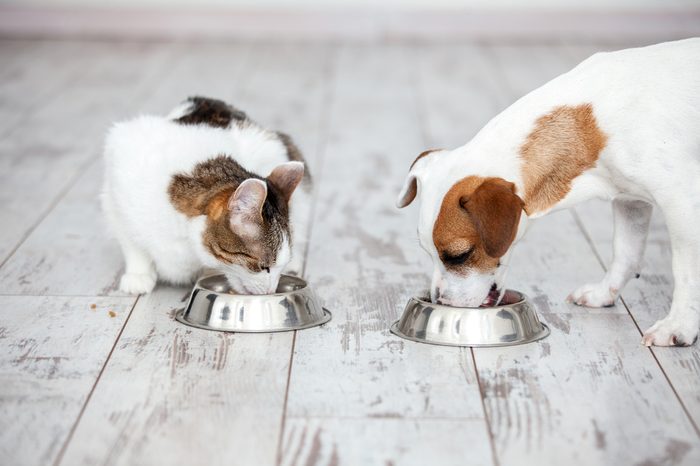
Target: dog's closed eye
x,y
457,259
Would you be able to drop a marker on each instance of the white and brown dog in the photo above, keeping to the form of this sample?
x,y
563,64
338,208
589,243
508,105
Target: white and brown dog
x,y
623,126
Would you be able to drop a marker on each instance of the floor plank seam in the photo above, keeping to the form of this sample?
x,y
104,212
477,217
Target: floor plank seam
x,y
84,167
59,197
489,431
64,447
419,103
320,154
675,392
323,143
283,421
588,238
421,110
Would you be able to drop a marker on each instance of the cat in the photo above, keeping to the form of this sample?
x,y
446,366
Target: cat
x,y
205,187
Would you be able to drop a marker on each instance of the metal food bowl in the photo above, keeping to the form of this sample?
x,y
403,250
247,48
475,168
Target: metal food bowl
x,y
512,322
213,306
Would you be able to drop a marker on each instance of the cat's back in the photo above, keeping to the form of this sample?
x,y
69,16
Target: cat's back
x,y
158,143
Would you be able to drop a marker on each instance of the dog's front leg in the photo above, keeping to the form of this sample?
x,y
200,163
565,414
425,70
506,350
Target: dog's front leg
x,y
631,225
680,326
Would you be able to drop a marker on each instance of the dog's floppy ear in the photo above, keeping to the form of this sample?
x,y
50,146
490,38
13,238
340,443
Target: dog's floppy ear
x,y
410,186
408,192
495,210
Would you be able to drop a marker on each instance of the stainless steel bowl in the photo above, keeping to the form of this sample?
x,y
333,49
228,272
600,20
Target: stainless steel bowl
x,y
512,322
212,306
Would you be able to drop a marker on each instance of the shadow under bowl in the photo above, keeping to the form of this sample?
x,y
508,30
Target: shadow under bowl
x,y
214,306
513,321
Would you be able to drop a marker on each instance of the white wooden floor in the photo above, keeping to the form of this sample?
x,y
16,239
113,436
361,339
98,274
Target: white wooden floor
x,y
91,376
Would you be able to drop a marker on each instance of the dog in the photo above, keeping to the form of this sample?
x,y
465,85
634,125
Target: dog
x,y
623,126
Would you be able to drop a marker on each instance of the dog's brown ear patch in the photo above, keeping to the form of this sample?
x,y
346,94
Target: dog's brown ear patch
x,y
481,214
563,144
495,210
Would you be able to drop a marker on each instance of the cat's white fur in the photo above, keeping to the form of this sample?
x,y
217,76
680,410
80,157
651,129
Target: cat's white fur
x,y
158,242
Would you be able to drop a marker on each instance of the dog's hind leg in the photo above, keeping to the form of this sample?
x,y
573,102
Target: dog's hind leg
x,y
680,326
631,225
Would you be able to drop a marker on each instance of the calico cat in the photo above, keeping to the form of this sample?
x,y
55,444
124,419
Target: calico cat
x,y
187,191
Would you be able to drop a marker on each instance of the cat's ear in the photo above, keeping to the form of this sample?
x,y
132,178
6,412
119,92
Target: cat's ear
x,y
246,205
286,177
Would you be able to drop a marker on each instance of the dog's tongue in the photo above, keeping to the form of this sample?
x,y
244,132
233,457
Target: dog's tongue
x,y
492,299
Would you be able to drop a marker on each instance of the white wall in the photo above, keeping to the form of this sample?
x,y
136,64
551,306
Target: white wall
x,y
481,5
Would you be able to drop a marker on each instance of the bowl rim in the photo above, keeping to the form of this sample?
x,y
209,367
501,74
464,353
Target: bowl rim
x,y
198,286
327,316
523,298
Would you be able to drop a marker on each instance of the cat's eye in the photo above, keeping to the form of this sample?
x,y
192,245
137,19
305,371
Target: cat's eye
x,y
457,259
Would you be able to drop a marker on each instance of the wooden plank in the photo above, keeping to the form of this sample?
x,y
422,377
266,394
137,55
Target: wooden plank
x,y
456,98
649,298
364,262
71,242
42,157
171,394
52,351
368,442
34,72
588,394
180,376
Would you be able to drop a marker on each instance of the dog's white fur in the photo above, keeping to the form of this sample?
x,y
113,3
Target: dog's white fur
x,y
647,101
141,156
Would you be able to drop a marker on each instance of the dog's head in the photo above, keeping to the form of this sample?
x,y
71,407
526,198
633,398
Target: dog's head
x,y
467,225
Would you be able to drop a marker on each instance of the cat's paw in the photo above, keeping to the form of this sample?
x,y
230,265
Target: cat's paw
x,y
138,283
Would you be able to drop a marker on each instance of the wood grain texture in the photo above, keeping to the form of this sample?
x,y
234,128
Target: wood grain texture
x,y
42,156
383,442
365,263
172,394
52,351
649,298
589,393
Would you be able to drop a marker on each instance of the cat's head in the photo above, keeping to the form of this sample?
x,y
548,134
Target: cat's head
x,y
247,231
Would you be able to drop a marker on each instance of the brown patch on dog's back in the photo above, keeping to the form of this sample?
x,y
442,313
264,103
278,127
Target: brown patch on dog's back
x,y
564,143
212,112
479,213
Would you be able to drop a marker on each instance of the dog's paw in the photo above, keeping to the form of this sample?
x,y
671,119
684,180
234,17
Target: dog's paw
x,y
593,295
138,283
669,332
